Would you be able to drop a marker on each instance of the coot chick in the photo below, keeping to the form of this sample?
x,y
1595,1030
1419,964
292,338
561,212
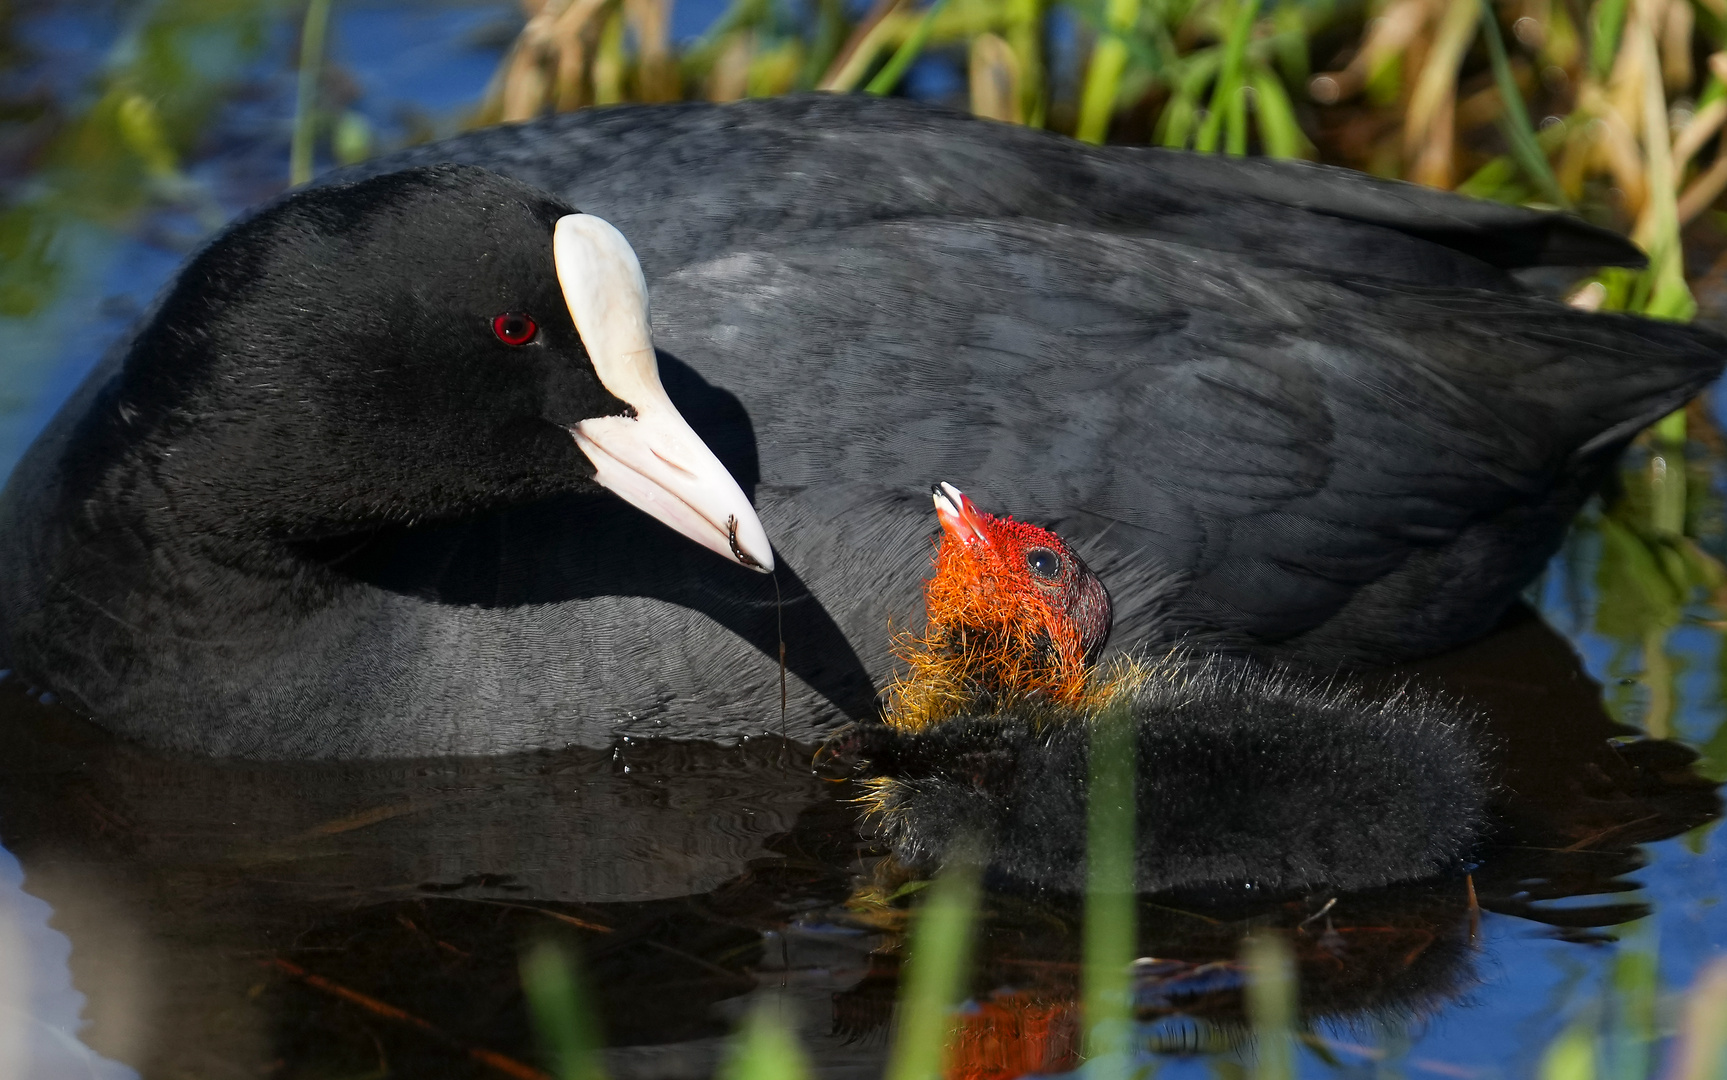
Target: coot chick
x,y
1249,776
1012,615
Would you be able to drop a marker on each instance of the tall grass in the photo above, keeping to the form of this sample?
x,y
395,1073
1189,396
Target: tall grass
x,y
1602,107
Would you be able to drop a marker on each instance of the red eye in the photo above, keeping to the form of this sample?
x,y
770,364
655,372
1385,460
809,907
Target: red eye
x,y
515,328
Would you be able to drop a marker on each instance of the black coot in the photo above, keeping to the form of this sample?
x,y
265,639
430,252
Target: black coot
x,y
1279,407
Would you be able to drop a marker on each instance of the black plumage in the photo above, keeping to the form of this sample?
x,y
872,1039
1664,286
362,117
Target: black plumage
x,y
1279,407
1249,779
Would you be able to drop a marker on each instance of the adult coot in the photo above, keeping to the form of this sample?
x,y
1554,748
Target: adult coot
x,y
1282,407
422,346
1248,776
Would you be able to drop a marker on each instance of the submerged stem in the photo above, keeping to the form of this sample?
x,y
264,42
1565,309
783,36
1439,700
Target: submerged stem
x,y
1111,933
937,968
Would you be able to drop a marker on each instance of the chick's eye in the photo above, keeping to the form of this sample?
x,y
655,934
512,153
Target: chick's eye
x,y
1043,562
515,328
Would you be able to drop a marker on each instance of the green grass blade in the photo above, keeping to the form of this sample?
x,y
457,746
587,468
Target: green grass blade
x,y
1279,131
1290,42
766,1049
1501,179
1701,1049
1102,83
1606,23
1235,123
825,43
1668,495
561,1015
1634,979
1024,31
1175,125
894,70
937,967
1270,1005
140,128
1111,931
1714,90
306,92
1103,73
1570,1057
1519,132
1663,292
699,58
1229,80
353,138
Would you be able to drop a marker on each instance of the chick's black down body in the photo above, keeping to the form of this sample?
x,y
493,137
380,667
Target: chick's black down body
x,y
1278,408
1248,778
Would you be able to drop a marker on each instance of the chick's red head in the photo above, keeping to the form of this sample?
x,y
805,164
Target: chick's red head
x,y
1013,615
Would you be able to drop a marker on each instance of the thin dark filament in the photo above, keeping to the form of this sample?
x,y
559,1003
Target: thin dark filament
x,y
780,633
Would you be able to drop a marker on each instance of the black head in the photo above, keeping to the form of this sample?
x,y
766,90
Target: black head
x,y
395,350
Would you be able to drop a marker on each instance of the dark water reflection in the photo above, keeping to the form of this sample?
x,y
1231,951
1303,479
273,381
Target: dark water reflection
x,y
319,920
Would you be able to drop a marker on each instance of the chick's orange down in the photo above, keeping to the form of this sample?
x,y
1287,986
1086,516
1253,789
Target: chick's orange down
x,y
1013,616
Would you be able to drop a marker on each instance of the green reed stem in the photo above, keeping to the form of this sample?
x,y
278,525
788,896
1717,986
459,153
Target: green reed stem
x,y
1111,932
1103,73
894,70
1514,122
1667,480
1176,123
1701,1049
829,38
562,1017
1606,23
1025,34
1229,85
1569,1057
766,1048
1279,131
1235,123
699,57
937,967
306,94
1270,1005
1631,1036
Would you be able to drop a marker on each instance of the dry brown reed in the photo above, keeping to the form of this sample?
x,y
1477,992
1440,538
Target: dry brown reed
x,y
1629,119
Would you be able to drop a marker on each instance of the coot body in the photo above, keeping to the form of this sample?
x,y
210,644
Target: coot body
x,y
1278,408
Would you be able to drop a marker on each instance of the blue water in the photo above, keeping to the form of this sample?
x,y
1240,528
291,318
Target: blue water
x,y
420,67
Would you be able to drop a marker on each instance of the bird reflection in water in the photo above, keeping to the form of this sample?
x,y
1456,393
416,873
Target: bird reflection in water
x,y
704,876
